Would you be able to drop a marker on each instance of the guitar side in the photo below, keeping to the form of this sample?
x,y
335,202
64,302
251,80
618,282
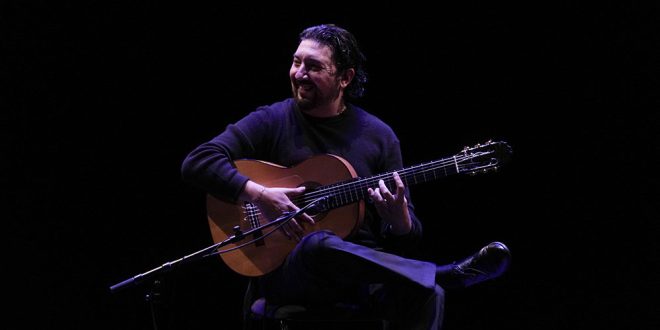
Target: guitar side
x,y
269,252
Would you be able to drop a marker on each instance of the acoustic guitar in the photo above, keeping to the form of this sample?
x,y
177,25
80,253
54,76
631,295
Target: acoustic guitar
x,y
342,210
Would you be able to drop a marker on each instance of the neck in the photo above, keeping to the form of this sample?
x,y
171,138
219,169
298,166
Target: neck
x,y
330,110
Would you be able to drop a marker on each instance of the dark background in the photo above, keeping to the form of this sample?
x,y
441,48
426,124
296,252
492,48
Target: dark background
x,y
102,101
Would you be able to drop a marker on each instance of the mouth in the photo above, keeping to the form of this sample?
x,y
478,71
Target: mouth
x,y
304,88
304,85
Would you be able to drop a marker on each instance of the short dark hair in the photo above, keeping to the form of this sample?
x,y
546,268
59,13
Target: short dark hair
x,y
345,52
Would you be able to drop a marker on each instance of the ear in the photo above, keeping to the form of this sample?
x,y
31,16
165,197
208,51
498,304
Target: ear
x,y
346,77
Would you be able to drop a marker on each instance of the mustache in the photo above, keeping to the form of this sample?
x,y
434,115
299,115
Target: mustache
x,y
303,82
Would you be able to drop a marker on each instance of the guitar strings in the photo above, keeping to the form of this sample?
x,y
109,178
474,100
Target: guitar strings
x,y
414,171
360,185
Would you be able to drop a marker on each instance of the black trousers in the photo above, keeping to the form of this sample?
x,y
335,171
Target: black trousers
x,y
324,270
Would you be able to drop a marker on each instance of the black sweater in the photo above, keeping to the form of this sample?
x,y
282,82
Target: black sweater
x,y
281,134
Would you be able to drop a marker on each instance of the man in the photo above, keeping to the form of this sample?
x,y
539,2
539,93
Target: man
x,y
367,268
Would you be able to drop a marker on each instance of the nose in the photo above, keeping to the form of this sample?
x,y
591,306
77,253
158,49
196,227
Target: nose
x,y
301,73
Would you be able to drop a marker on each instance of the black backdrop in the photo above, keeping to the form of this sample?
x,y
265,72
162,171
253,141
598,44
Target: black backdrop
x,y
102,101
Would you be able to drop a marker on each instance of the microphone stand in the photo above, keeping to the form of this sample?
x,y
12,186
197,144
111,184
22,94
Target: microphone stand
x,y
239,235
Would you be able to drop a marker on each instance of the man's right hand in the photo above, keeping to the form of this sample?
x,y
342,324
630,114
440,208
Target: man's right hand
x,y
274,202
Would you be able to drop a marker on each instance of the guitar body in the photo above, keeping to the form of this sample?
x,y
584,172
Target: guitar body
x,y
269,252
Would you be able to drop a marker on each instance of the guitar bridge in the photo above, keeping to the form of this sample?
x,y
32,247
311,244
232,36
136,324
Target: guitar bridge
x,y
252,218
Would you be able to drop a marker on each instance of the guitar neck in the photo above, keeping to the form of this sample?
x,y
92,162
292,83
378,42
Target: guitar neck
x,y
351,191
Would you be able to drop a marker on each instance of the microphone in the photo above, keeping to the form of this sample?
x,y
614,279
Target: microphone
x,y
317,206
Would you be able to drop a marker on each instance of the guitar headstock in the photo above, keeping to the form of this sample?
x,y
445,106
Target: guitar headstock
x,y
483,158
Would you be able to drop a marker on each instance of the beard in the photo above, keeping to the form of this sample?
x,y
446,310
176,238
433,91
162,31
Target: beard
x,y
313,98
305,103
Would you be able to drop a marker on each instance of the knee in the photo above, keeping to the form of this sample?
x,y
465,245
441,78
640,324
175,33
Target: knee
x,y
314,245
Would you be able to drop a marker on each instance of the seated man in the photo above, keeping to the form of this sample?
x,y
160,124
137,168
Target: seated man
x,y
325,269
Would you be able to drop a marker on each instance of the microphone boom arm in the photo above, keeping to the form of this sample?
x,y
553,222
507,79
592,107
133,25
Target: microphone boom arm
x,y
238,236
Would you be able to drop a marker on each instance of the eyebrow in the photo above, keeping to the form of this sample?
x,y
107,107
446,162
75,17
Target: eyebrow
x,y
313,60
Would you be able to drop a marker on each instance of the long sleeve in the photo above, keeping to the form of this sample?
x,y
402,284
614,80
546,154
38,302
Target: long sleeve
x,y
210,166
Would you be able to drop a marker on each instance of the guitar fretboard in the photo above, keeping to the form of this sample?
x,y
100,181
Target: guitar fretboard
x,y
351,191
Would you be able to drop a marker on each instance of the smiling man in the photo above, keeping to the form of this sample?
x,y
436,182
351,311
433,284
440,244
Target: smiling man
x,y
368,267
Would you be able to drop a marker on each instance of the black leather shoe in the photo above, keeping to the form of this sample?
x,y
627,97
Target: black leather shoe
x,y
490,262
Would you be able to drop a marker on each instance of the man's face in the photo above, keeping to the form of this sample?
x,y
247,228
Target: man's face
x,y
313,75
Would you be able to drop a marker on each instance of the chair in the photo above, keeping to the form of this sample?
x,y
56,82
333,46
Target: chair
x,y
260,315
296,317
